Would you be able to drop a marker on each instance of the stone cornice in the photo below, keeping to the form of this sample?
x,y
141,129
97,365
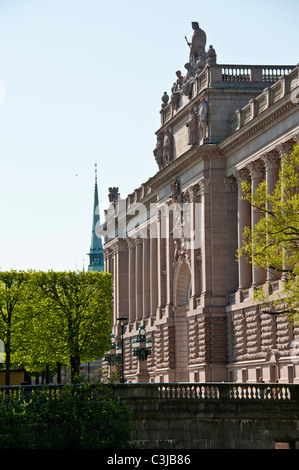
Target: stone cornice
x,y
187,160
255,127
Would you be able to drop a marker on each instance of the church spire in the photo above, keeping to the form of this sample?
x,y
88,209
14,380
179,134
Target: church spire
x,y
96,257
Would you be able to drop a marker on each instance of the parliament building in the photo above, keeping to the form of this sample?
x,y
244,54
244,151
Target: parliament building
x,y
171,245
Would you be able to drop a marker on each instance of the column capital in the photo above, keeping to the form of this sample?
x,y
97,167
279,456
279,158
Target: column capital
x,y
284,148
241,175
271,160
131,242
256,169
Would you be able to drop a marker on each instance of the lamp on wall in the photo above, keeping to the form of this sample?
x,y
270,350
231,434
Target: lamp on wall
x,y
122,322
114,355
142,348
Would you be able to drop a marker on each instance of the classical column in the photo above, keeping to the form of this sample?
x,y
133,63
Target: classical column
x,y
146,277
195,243
115,286
169,258
153,274
271,161
138,279
257,176
244,220
131,293
285,148
161,263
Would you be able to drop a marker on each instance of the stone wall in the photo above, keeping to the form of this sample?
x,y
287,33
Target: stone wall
x,y
213,416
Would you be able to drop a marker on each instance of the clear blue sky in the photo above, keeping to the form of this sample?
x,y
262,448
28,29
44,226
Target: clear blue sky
x,y
83,84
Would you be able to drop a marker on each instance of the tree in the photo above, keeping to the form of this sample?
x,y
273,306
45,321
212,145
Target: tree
x,y
273,243
12,296
78,308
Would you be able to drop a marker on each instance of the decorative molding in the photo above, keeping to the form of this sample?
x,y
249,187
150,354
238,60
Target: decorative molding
x,y
258,128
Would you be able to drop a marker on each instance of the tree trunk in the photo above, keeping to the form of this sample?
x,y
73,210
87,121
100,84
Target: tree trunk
x,y
75,369
7,367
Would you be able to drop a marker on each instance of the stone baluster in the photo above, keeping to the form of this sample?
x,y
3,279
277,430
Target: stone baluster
x,y
257,175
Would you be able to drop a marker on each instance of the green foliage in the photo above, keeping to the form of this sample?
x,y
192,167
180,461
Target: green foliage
x,y
67,417
273,243
54,317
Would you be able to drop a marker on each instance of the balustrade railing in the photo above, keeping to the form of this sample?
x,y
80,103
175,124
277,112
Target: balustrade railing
x,y
165,391
244,391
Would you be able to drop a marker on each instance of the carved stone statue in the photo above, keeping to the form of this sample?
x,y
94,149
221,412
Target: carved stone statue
x,y
212,57
167,148
176,90
113,196
189,80
203,119
197,45
158,152
175,188
192,127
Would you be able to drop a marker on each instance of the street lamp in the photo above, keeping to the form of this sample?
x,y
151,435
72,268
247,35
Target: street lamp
x,y
122,321
142,348
114,355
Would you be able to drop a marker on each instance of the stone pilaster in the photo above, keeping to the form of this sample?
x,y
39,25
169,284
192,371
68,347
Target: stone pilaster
x,y
146,277
131,295
139,279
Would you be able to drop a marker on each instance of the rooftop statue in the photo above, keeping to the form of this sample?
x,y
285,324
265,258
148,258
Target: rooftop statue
x,y
197,45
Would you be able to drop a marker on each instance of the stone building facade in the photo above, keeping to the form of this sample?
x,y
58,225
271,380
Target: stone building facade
x,y
171,244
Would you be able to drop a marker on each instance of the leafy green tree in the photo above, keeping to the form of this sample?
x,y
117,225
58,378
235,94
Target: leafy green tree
x,y
13,294
273,243
77,308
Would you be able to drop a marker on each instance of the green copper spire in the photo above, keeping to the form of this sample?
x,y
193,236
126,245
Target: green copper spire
x,y
96,257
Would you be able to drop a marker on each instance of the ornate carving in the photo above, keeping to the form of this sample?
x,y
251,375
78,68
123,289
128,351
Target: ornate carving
x,y
165,99
285,148
230,184
204,186
271,161
192,127
197,45
176,90
212,57
189,80
256,169
158,152
113,196
203,119
167,148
